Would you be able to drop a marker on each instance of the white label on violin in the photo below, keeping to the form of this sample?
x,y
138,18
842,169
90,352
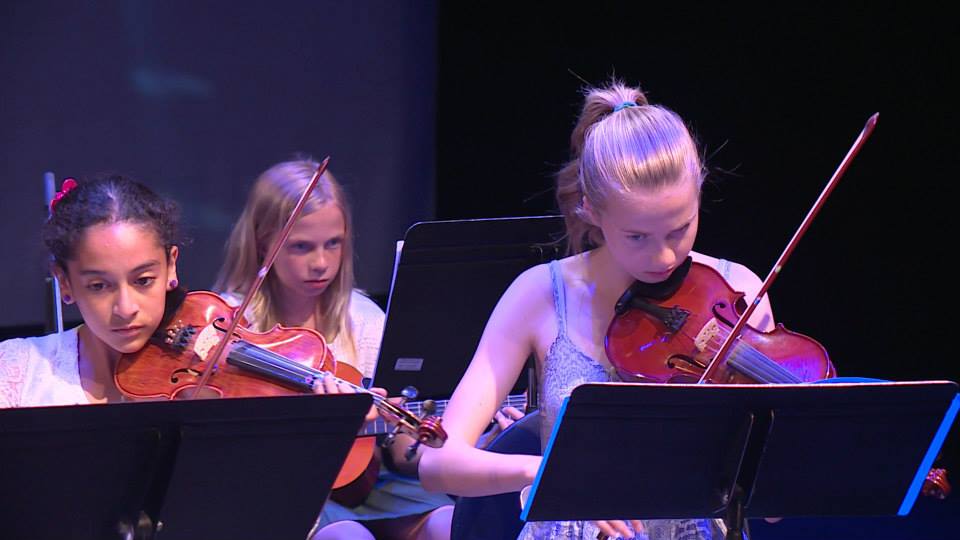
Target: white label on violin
x,y
207,340
707,333
408,364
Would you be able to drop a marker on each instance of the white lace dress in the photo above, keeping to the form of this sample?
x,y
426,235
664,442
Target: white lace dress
x,y
40,371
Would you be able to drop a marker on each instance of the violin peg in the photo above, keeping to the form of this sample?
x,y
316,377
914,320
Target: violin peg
x,y
390,437
429,407
431,432
411,451
936,484
409,392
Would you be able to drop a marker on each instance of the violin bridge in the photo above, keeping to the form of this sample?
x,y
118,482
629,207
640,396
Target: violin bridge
x,y
709,331
207,341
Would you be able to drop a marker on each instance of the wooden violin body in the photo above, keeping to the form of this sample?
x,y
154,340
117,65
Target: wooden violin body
x,y
172,363
674,339
936,484
170,366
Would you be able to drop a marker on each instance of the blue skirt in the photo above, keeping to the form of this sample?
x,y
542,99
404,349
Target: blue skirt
x,y
392,496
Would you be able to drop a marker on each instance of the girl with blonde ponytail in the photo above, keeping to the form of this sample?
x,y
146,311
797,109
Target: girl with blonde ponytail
x,y
311,285
630,197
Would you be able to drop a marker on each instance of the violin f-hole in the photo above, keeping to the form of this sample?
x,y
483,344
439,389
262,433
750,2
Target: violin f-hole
x,y
216,324
720,309
685,365
175,376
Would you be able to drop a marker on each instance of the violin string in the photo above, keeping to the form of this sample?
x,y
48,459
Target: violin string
x,y
416,408
252,353
758,363
282,363
754,363
380,425
278,365
758,366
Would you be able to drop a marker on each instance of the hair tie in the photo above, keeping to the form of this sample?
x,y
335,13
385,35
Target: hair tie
x,y
67,187
624,105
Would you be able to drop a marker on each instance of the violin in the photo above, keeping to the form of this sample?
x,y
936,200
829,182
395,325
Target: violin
x,y
692,328
672,337
669,332
201,349
707,336
283,361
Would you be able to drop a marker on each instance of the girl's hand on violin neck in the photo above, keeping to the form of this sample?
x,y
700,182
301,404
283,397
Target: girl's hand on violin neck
x,y
333,385
506,416
618,529
373,413
501,420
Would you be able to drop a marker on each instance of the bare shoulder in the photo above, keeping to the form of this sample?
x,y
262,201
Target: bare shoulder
x,y
525,307
532,284
527,296
740,278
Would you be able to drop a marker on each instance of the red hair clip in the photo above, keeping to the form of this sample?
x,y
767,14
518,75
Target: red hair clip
x,y
68,185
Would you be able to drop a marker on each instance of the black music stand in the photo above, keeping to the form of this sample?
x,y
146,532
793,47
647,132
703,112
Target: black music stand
x,y
227,468
651,451
447,280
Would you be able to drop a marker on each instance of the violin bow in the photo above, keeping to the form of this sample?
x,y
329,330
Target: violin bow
x,y
261,275
778,266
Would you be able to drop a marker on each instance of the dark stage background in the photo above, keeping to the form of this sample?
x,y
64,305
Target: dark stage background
x,y
456,112
197,98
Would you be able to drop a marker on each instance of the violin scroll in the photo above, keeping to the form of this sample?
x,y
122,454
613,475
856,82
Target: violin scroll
x,y
427,430
936,484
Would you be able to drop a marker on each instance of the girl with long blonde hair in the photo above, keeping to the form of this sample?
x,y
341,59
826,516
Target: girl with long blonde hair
x,y
326,268
311,285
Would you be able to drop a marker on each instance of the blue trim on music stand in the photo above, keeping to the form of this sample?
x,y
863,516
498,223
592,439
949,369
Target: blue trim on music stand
x,y
543,462
845,380
927,462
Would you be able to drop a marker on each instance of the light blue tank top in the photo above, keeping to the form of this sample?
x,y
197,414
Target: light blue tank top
x,y
564,368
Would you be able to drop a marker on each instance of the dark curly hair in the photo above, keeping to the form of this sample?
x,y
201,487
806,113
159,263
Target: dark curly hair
x,y
111,198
